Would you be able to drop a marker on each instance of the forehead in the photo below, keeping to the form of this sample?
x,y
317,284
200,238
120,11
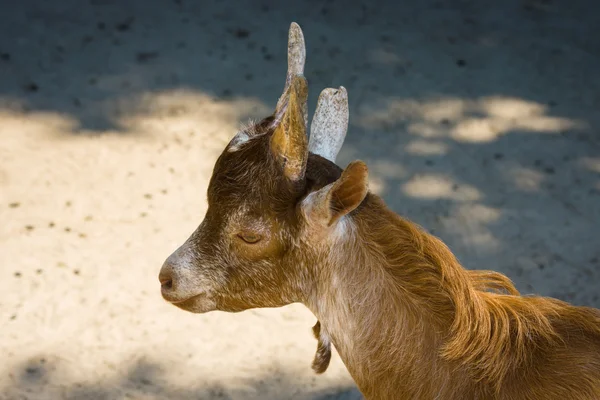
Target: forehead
x,y
250,176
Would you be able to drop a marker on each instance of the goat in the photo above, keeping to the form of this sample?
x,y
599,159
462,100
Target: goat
x,y
285,224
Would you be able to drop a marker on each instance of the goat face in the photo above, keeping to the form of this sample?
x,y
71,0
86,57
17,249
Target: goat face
x,y
237,257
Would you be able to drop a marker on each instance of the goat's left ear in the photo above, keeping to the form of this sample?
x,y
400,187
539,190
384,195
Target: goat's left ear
x,y
327,205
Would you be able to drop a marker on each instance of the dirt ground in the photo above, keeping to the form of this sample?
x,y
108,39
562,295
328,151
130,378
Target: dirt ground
x,y
478,120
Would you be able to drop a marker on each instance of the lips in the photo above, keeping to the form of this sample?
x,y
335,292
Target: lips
x,y
180,301
188,299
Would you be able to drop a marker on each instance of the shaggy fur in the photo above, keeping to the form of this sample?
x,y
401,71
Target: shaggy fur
x,y
411,323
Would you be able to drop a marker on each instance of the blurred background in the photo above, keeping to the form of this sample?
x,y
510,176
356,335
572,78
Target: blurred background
x,y
478,119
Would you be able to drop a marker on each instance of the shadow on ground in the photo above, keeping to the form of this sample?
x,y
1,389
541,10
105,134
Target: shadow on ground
x,y
41,379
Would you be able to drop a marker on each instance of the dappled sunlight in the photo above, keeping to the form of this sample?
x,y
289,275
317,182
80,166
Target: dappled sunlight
x,y
424,148
151,113
434,186
591,163
525,179
142,376
385,57
426,130
471,222
189,112
464,120
380,171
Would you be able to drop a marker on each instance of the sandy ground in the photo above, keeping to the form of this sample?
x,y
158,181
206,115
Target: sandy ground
x,y
478,120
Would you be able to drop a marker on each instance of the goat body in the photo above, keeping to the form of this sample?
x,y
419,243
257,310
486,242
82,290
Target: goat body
x,y
285,224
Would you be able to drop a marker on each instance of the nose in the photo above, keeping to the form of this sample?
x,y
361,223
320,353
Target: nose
x,y
167,279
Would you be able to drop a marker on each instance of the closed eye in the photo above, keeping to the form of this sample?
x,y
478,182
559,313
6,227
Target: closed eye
x,y
250,238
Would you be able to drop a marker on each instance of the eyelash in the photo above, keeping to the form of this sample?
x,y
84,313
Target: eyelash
x,y
250,238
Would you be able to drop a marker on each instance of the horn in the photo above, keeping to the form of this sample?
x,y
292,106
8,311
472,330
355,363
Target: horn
x,y
330,123
296,56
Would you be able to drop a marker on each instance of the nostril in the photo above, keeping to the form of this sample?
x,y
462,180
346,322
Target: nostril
x,y
166,281
165,278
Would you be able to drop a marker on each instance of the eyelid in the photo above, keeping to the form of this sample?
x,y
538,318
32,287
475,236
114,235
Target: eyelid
x,y
250,237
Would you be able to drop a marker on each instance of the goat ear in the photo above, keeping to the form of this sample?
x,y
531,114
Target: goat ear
x,y
289,142
327,205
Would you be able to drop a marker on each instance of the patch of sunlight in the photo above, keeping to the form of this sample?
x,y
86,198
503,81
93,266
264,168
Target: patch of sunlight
x,y
593,164
431,186
444,109
510,108
17,124
188,111
388,169
422,147
380,171
377,185
426,130
151,114
481,213
475,130
469,221
526,179
384,57
465,120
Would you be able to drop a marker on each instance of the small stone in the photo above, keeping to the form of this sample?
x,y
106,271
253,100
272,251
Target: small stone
x,y
125,25
31,87
241,33
145,56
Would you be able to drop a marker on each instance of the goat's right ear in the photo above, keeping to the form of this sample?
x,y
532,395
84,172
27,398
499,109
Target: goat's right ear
x,y
330,203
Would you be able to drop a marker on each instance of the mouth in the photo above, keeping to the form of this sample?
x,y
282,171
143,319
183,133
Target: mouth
x,y
199,303
184,300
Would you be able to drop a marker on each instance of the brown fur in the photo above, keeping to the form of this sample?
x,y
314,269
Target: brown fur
x,y
450,337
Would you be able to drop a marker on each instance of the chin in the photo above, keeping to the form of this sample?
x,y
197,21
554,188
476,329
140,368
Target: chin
x,y
198,304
